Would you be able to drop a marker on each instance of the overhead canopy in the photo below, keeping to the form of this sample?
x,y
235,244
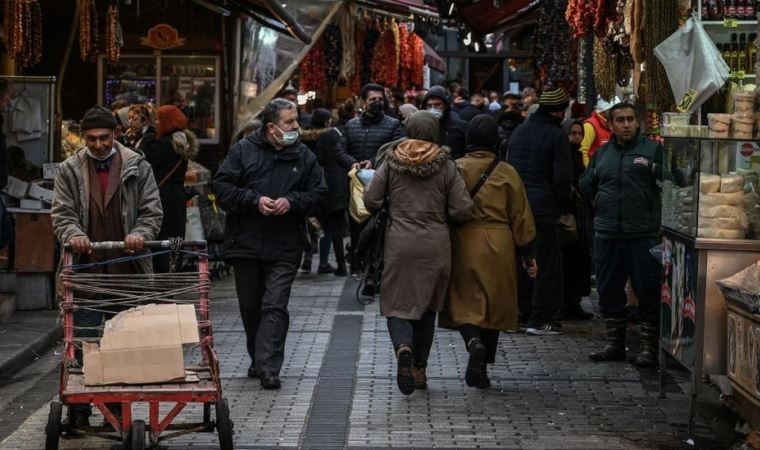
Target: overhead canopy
x,y
433,59
401,6
484,18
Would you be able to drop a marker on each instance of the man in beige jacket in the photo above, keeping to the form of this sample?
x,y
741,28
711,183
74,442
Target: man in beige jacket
x,y
104,192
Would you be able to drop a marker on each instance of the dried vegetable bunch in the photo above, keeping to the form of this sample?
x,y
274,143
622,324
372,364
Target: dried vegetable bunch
x,y
114,37
552,48
333,51
313,77
661,19
613,61
22,26
89,40
587,17
385,63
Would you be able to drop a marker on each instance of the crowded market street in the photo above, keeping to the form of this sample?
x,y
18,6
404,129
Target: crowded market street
x,y
338,390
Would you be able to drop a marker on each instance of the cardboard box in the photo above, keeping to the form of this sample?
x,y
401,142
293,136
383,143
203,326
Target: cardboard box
x,y
40,193
35,243
142,345
161,364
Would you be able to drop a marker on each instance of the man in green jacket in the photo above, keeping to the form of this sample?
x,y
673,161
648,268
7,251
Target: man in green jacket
x,y
624,180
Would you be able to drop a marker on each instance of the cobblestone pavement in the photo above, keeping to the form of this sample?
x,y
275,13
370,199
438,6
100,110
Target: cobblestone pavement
x,y
339,390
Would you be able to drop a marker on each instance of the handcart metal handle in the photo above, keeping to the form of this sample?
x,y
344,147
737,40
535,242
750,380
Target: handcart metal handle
x,y
118,245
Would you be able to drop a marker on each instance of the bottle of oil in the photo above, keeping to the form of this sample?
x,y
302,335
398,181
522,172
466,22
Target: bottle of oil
x,y
734,53
741,55
751,52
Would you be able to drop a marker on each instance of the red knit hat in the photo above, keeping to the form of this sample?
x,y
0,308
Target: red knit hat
x,y
170,119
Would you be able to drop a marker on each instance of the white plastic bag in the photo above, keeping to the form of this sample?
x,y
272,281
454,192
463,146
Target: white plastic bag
x,y
695,67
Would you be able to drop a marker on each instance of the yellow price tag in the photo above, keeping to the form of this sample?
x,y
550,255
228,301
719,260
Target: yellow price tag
x,y
212,199
740,74
687,100
730,23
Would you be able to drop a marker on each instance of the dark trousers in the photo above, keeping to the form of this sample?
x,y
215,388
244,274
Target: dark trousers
x,y
263,290
540,299
334,226
417,334
355,229
576,276
615,260
489,338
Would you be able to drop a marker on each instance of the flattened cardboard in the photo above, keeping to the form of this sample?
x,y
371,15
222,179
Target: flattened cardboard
x,y
134,366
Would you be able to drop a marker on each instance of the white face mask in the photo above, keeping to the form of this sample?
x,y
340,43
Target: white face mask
x,y
111,153
288,137
435,112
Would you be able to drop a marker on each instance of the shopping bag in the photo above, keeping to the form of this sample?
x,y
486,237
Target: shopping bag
x,y
695,67
356,207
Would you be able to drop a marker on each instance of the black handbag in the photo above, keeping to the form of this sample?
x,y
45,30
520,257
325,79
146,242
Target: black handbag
x,y
368,256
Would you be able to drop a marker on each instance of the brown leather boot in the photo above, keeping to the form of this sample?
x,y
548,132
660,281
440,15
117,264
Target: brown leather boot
x,y
420,378
405,363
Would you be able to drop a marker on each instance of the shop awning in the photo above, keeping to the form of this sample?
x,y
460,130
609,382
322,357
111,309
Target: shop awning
x,y
433,59
270,13
484,18
401,6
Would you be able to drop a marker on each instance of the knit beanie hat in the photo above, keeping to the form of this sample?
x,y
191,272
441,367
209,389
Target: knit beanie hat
x,y
170,119
555,100
482,133
98,117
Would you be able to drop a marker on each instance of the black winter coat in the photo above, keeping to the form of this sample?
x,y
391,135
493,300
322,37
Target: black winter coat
x,y
451,133
467,111
335,175
163,159
364,136
540,152
508,122
254,168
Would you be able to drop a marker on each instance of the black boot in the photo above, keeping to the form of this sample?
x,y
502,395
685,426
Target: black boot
x,y
404,376
474,374
615,349
648,341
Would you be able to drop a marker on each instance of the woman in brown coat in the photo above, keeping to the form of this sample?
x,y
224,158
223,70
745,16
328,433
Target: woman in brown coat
x,y
482,296
425,191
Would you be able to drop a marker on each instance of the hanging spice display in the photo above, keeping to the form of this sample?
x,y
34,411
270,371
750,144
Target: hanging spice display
x,y
587,17
22,25
312,67
586,89
362,27
333,53
605,70
370,41
347,24
113,35
552,48
418,59
405,56
88,31
384,67
661,19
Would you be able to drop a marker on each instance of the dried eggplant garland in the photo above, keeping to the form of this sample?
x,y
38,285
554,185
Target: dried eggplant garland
x,y
661,19
552,48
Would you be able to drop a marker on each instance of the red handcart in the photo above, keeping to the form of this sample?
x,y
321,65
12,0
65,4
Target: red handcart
x,y
204,386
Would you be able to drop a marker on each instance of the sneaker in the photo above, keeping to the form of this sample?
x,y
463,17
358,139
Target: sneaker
x,y
550,329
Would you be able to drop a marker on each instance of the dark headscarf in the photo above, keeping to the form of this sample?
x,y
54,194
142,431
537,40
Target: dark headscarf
x,y
482,133
422,126
567,124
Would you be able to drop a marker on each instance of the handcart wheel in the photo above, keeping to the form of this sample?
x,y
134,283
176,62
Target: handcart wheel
x,y
224,424
137,435
207,417
53,428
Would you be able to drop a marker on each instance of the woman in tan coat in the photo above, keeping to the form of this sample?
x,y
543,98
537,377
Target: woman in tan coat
x,y
425,191
482,296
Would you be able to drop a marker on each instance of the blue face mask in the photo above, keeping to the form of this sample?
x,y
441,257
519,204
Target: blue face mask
x,y
288,137
437,113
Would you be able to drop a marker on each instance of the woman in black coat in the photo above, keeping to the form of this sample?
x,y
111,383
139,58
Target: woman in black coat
x,y
333,217
169,154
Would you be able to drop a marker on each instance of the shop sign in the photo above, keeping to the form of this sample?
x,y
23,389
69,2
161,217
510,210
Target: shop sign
x,y
162,37
678,305
743,352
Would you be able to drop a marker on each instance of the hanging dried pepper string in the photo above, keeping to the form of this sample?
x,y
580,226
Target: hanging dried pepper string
x,y
661,19
552,49
85,34
112,35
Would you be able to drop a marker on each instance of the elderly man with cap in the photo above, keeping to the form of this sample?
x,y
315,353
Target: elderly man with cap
x,y
596,129
540,152
450,127
104,192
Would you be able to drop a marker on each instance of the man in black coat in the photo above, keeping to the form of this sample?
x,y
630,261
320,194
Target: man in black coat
x,y
363,137
269,183
540,152
462,105
451,129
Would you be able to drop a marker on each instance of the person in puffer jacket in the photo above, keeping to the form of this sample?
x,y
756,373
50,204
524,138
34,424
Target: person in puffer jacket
x,y
363,137
169,155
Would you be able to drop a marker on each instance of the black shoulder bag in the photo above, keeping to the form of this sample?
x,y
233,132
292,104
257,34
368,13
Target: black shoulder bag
x,y
368,256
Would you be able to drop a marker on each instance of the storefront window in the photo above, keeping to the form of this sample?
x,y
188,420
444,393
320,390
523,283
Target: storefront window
x,y
189,82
